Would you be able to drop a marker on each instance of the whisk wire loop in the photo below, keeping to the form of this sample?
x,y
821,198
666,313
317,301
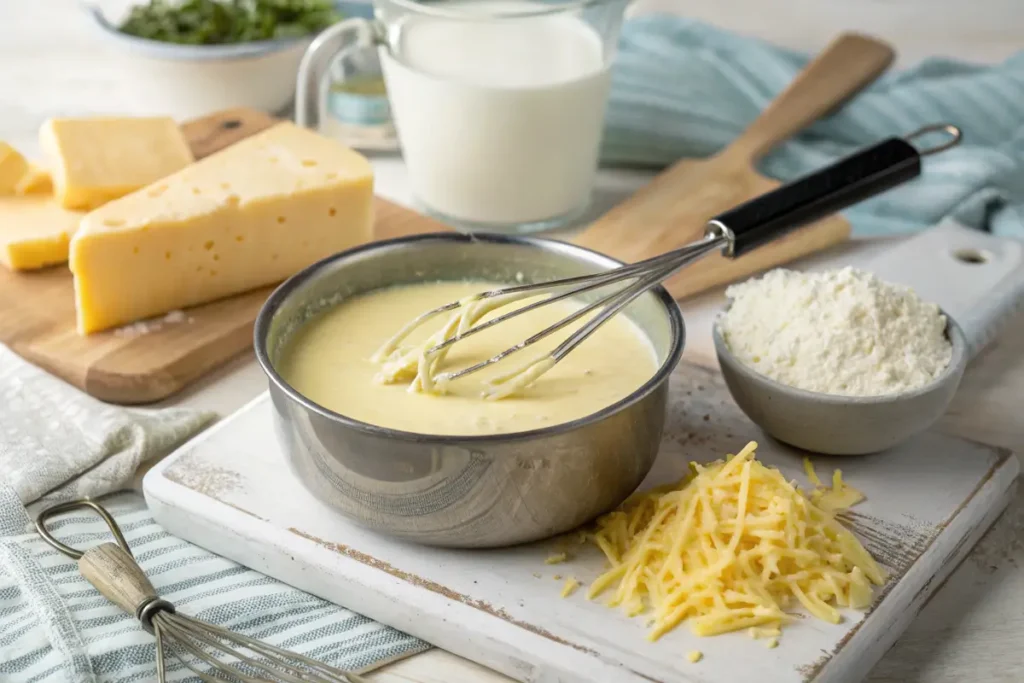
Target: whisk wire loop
x,y
586,283
192,640
646,274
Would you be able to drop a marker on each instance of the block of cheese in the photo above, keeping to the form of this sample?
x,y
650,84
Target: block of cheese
x,y
95,160
12,168
35,231
250,215
34,180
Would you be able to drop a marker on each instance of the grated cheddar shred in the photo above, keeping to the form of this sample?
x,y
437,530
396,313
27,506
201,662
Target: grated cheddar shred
x,y
730,547
840,497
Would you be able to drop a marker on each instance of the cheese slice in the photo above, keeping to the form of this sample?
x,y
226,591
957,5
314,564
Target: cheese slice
x,y
35,231
12,167
96,160
250,215
35,179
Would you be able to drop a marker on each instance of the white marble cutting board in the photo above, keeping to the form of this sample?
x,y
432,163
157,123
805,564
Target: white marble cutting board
x,y
929,501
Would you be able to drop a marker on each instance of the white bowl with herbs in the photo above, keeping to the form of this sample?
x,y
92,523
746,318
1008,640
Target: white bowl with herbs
x,y
194,57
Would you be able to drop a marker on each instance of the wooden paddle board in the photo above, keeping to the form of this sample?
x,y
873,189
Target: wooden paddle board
x,y
673,209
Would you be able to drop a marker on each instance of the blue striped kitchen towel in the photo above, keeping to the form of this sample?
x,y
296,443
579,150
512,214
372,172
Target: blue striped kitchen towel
x,y
681,88
57,444
55,626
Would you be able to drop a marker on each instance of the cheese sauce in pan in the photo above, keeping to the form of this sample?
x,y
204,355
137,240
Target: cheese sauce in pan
x,y
328,361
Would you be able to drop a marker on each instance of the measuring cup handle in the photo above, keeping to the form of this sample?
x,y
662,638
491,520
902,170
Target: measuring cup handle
x,y
864,174
316,62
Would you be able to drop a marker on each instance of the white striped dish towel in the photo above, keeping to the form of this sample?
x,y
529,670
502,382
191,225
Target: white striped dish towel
x,y
57,444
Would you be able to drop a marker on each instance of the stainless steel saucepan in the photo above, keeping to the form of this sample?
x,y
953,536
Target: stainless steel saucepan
x,y
465,491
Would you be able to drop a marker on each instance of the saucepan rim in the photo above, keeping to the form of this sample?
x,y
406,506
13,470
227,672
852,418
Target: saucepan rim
x,y
288,287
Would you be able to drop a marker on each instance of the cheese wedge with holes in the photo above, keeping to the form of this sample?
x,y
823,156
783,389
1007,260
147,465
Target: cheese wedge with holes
x,y
250,215
94,160
35,231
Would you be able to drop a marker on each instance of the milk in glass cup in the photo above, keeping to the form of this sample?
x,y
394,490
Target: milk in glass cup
x,y
499,104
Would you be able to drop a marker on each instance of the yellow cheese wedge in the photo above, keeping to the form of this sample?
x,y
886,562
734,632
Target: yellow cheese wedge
x,y
250,215
12,167
35,179
95,160
35,231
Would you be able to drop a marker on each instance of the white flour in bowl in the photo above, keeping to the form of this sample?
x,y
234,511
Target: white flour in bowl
x,y
837,332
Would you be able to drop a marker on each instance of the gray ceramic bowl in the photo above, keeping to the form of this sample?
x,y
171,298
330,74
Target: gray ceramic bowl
x,y
465,491
841,425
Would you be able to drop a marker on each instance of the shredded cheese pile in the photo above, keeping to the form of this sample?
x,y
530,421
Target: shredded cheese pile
x,y
731,547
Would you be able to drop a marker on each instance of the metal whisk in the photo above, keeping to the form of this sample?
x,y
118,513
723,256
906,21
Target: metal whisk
x,y
864,174
227,656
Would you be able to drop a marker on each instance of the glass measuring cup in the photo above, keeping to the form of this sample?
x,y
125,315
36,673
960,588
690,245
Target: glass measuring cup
x,y
499,104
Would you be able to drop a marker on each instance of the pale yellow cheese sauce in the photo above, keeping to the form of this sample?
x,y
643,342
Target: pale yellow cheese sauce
x,y
328,360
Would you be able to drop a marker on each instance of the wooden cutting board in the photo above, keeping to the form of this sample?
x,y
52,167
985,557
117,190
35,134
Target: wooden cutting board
x,y
37,309
149,362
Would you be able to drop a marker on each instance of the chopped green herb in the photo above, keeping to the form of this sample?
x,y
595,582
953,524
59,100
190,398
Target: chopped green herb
x,y
214,22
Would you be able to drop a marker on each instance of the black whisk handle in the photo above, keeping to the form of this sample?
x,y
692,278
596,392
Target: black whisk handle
x,y
820,194
859,176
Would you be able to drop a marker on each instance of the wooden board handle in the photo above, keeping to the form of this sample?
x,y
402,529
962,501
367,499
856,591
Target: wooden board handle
x,y
849,63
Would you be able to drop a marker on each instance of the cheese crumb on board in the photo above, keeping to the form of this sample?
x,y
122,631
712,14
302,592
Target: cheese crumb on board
x,y
35,232
95,160
250,215
841,332
758,633
694,656
556,558
730,547
571,584
141,327
772,643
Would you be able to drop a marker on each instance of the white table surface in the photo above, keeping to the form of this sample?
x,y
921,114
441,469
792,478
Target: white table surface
x,y
52,63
